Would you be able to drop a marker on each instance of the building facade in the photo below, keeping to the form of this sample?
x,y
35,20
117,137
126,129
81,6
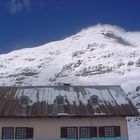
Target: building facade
x,y
64,111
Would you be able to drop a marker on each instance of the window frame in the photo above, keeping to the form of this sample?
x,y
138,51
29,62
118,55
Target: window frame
x,y
80,133
59,104
2,134
60,98
94,100
76,132
117,131
64,132
109,131
23,97
20,134
29,133
92,131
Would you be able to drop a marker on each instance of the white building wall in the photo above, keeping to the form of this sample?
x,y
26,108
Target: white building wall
x,y
50,127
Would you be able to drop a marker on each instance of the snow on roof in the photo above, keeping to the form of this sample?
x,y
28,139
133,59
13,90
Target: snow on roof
x,y
42,101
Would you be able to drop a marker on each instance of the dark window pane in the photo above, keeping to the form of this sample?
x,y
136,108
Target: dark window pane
x,y
87,132
72,132
109,131
94,100
101,132
60,109
20,133
63,132
7,133
117,131
59,106
24,100
60,100
84,132
29,132
93,131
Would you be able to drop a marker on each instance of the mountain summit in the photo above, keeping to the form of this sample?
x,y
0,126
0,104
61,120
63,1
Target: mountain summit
x,y
102,54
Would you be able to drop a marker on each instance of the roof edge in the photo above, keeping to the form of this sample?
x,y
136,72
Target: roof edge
x,y
50,86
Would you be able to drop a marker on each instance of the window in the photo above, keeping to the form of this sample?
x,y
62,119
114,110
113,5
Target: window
x,y
109,131
59,106
94,100
23,132
8,133
72,132
69,132
87,132
24,100
17,133
84,132
20,133
66,84
60,99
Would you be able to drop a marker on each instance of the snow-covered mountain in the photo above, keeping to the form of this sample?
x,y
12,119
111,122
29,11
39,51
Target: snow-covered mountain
x,y
99,55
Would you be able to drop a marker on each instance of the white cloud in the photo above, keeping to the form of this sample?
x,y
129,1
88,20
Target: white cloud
x,y
133,36
18,5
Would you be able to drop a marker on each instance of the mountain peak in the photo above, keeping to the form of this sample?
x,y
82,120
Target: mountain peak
x,y
102,54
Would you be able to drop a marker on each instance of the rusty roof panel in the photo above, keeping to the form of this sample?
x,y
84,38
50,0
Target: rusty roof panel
x,y
77,101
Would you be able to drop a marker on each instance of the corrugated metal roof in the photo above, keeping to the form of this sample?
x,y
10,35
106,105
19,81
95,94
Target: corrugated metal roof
x,y
112,101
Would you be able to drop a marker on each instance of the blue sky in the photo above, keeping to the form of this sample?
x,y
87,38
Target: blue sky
x,y
30,23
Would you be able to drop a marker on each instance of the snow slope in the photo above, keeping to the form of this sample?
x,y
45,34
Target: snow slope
x,y
99,55
134,123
